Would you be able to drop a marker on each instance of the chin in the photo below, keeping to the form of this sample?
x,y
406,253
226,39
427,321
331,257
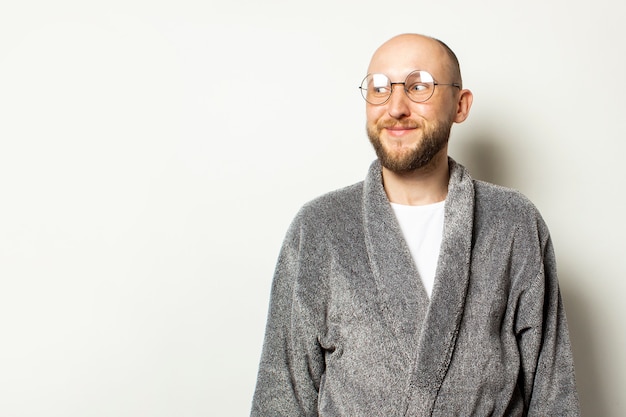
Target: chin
x,y
422,154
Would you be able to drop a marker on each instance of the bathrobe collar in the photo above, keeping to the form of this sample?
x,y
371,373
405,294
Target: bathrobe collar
x,y
426,327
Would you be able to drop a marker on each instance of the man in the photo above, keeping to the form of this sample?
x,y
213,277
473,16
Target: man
x,y
420,291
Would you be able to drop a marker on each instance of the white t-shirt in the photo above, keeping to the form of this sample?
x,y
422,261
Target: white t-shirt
x,y
422,227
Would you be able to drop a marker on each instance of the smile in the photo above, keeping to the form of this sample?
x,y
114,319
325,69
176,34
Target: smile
x,y
399,131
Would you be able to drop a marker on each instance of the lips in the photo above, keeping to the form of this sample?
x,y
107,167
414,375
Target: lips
x,y
397,130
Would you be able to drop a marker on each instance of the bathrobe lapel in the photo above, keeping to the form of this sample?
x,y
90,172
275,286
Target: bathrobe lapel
x,y
403,298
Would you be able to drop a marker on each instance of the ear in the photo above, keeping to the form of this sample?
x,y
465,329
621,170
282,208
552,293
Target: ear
x,y
463,106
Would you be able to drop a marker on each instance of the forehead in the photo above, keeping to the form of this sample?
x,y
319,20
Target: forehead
x,y
404,54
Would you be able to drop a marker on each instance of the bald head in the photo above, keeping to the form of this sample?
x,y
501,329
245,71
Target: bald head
x,y
408,52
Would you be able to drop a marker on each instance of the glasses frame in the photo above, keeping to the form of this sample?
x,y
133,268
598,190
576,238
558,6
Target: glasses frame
x,y
391,84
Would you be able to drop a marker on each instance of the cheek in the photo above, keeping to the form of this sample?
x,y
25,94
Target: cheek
x,y
373,113
436,113
447,110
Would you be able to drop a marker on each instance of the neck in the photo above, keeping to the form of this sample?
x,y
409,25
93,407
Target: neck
x,y
426,185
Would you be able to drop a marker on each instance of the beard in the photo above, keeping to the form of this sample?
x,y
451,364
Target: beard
x,y
432,142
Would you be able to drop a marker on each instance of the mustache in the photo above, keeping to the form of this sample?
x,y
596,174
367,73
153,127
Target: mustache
x,y
391,124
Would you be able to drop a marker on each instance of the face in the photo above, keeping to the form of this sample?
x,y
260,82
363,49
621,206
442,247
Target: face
x,y
406,135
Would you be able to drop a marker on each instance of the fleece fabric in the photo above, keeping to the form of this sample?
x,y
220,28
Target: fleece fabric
x,y
351,331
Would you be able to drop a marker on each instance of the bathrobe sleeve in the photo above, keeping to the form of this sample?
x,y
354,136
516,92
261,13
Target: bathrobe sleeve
x,y
547,364
292,361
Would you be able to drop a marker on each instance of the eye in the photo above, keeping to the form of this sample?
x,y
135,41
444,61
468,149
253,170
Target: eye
x,y
380,90
418,88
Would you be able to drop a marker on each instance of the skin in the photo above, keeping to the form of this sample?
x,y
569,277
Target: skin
x,y
402,128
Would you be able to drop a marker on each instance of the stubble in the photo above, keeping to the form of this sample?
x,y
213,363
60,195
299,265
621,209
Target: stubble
x,y
432,142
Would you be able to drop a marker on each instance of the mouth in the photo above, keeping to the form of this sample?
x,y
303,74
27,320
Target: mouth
x,y
398,131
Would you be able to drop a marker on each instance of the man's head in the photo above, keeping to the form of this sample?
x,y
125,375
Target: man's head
x,y
409,135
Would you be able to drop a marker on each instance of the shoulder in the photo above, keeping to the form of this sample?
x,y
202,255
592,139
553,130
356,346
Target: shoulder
x,y
500,205
326,222
338,204
498,197
328,215
491,202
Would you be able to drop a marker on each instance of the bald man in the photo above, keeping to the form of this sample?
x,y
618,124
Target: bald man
x,y
419,291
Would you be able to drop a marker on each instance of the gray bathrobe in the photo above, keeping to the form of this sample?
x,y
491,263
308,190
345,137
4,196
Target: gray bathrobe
x,y
351,331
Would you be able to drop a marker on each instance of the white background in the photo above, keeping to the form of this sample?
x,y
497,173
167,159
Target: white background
x,y
153,154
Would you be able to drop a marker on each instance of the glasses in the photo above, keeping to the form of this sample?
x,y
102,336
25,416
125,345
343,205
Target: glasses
x,y
419,86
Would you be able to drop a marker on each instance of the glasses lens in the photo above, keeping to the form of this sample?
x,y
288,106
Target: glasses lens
x,y
419,86
376,88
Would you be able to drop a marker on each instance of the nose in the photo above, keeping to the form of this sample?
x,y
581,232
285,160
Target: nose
x,y
398,104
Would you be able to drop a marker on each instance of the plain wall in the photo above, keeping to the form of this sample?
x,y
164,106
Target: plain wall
x,y
153,154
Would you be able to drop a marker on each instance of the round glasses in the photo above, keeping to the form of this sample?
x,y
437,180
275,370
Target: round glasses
x,y
419,86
